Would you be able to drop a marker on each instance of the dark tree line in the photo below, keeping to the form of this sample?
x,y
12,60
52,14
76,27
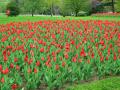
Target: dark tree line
x,y
63,7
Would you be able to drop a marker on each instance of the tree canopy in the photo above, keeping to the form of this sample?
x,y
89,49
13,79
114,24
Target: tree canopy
x,y
61,7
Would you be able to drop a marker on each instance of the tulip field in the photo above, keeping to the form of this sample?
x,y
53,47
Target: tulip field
x,y
50,53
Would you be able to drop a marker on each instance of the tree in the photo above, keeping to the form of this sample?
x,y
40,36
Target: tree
x,y
117,6
13,9
51,5
78,5
110,3
113,8
65,9
31,5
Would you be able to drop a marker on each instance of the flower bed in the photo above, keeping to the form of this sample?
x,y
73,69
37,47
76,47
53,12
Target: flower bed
x,y
52,53
106,14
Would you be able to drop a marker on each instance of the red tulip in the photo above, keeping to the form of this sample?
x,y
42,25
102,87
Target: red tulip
x,y
102,42
29,70
0,67
2,80
30,61
66,56
67,46
26,58
31,52
11,65
5,58
9,47
72,42
53,54
82,53
15,59
54,59
119,36
42,50
63,64
53,36
6,71
101,58
38,63
14,86
92,55
40,41
115,57
17,67
32,46
4,53
107,58
57,67
35,70
8,53
42,58
74,59
80,60
88,61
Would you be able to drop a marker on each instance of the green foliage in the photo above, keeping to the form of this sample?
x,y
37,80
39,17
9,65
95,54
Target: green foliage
x,y
51,4
2,7
75,6
3,4
117,5
14,9
106,84
82,13
31,6
64,8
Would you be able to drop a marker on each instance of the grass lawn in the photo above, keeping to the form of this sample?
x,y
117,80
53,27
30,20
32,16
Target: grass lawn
x,y
4,19
106,84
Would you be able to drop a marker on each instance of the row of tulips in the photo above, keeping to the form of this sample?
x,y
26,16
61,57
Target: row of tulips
x,y
106,14
52,53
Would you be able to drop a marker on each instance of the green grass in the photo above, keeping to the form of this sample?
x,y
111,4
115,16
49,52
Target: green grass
x,y
106,84
4,19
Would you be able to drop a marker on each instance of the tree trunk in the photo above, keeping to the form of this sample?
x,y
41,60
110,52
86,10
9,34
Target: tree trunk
x,y
32,12
51,10
113,8
76,13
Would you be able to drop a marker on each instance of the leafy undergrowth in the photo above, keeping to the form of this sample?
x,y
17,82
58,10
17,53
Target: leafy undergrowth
x,y
105,84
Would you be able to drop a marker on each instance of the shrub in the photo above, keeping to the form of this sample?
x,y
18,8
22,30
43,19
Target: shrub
x,y
13,8
82,13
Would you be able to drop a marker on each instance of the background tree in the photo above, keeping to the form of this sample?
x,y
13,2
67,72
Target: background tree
x,y
117,5
13,8
79,5
65,9
51,4
3,4
31,6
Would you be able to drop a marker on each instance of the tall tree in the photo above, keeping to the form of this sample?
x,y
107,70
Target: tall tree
x,y
51,4
113,8
78,5
65,7
32,5
112,4
117,5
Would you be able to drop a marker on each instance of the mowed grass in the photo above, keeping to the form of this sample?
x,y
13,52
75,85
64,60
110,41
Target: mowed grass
x,y
106,84
4,19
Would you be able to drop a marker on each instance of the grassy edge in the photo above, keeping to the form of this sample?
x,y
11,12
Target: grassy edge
x,y
111,83
4,19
